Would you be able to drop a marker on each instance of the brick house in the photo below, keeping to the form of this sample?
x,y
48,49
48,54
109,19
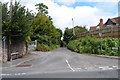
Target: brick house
x,y
111,28
108,23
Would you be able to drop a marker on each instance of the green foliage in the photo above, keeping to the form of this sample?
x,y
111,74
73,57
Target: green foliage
x,y
79,29
44,31
18,27
43,9
108,43
44,47
91,45
68,33
74,45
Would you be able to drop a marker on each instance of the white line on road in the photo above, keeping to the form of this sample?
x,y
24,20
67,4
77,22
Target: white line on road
x,y
13,74
5,74
115,67
105,68
20,73
69,65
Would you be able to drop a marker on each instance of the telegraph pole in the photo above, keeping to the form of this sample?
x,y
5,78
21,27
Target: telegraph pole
x,y
73,27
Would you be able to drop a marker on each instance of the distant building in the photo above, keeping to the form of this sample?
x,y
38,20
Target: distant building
x,y
111,28
109,22
113,21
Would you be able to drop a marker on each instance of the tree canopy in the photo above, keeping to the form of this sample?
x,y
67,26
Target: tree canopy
x,y
17,28
68,33
43,29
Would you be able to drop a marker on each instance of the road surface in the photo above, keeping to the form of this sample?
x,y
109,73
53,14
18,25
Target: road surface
x,y
63,63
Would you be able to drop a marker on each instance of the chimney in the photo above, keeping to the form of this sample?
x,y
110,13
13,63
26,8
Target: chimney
x,y
101,23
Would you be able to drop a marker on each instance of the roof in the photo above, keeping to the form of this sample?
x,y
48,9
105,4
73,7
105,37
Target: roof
x,y
115,20
92,27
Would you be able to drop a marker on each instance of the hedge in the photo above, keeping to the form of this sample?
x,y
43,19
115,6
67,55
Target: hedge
x,y
91,45
44,47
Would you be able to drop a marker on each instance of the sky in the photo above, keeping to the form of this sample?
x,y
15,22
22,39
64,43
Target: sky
x,y
84,12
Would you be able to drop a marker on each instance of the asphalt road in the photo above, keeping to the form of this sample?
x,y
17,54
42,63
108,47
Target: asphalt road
x,y
63,63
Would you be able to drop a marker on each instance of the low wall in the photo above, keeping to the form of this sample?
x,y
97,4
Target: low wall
x,y
108,31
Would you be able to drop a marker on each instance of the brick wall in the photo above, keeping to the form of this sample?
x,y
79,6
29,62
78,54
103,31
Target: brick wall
x,y
18,47
108,31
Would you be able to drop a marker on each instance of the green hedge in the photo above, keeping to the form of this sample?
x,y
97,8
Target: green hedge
x,y
91,45
44,47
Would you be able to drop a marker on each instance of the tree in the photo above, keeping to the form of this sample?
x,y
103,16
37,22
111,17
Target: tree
x,y
79,29
18,27
43,29
43,9
5,20
60,35
68,33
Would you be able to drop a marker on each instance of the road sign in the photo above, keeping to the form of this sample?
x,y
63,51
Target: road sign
x,y
115,48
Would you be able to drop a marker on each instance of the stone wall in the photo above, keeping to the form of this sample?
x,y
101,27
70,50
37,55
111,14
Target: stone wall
x,y
19,47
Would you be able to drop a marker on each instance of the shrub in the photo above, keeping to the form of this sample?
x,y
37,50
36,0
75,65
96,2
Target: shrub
x,y
53,46
73,45
92,45
42,47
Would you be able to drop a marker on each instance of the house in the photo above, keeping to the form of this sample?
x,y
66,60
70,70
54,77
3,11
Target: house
x,y
113,21
111,28
109,22
100,25
92,27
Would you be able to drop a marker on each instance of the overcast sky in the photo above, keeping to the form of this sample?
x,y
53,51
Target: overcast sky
x,y
84,12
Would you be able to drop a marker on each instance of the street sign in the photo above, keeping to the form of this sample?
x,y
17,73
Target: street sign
x,y
115,48
100,34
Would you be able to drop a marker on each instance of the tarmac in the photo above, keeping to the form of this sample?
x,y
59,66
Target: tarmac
x,y
32,56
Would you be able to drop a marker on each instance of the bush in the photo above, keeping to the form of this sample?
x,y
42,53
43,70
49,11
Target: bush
x,y
91,45
73,45
42,47
53,46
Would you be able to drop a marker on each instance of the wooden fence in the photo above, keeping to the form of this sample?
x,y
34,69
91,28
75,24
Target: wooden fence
x,y
108,31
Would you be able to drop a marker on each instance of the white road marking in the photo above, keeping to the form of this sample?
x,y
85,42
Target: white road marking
x,y
115,66
5,74
76,68
20,73
69,65
105,68
110,68
13,74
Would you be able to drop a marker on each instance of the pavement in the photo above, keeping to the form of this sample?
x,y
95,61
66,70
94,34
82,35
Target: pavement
x,y
13,63
105,56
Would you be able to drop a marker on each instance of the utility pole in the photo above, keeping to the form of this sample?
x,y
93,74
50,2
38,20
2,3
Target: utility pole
x,y
100,34
73,27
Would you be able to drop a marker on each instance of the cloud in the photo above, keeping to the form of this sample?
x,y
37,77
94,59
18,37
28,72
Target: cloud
x,y
83,15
